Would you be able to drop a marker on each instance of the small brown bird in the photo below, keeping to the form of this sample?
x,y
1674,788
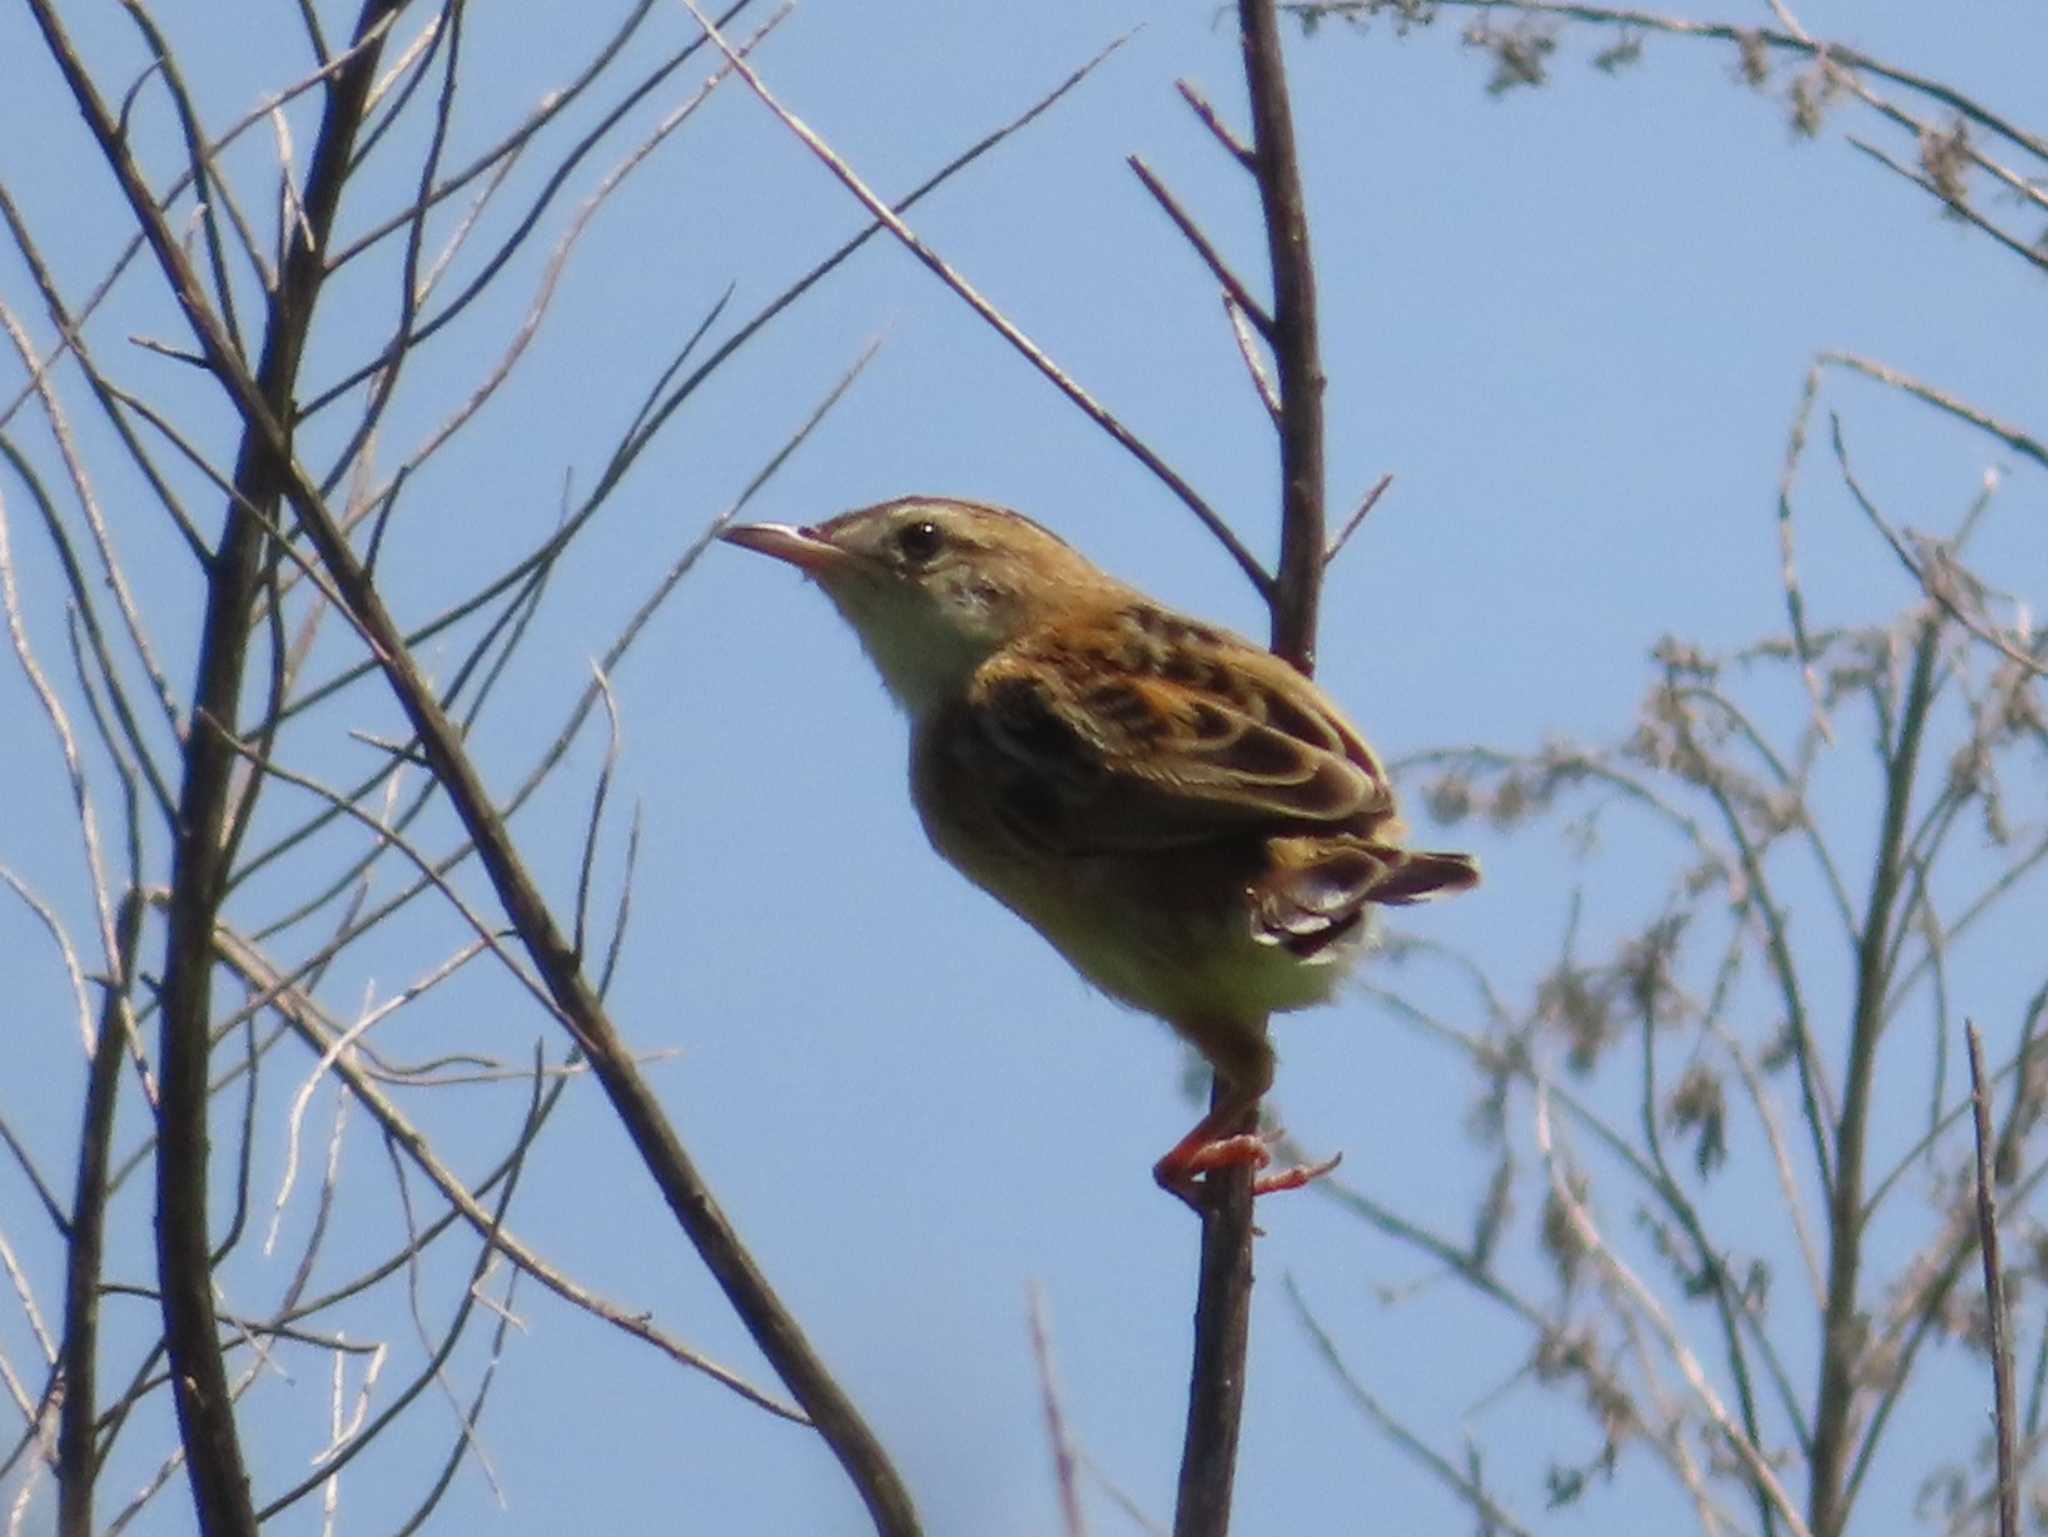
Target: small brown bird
x,y
1188,819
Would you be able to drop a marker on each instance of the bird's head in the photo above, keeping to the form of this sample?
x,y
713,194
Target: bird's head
x,y
933,587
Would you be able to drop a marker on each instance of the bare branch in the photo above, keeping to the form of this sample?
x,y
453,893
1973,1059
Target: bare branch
x,y
2012,437
1004,327
1297,583
648,422
1490,1511
1840,1350
1208,1466
1254,364
1372,500
774,1329
1200,105
1936,585
1793,39
1952,203
220,1483
600,793
52,706
1216,1379
1994,1292
1233,285
1788,567
324,1035
1063,1459
1752,1456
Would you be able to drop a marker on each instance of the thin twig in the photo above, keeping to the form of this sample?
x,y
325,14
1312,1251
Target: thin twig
x,y
1997,1321
649,420
322,1032
1712,1263
1788,567
1902,1341
1254,365
1201,107
599,795
74,973
332,1458
1372,500
202,1393
1935,586
1793,39
1003,325
1752,1456
550,278
1952,204
1489,1511
690,1200
110,567
52,705
1781,1160
1064,1462
344,1042
1183,221
2012,437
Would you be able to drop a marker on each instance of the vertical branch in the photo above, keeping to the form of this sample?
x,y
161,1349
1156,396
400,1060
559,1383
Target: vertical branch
x,y
1223,1302
1065,1464
77,1455
1296,352
1841,1336
1223,1321
1998,1325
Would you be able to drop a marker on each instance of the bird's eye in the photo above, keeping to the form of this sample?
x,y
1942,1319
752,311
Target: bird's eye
x,y
919,542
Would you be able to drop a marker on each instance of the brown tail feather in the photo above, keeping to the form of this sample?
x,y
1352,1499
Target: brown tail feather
x,y
1417,877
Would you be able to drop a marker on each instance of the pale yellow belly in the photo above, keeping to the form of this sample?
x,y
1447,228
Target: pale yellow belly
x,y
1169,934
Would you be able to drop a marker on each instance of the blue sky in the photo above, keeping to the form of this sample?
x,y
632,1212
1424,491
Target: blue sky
x,y
1574,324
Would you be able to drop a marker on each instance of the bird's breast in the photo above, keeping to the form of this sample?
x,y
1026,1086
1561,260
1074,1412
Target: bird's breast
x,y
1167,931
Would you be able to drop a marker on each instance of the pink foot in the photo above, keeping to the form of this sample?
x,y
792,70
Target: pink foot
x,y
1180,1171
1294,1178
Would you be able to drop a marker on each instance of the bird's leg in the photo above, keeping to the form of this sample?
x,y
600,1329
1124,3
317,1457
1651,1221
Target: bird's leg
x,y
1206,1148
1228,1137
1215,1143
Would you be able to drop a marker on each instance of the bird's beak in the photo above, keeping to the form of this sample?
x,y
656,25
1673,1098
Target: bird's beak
x,y
800,547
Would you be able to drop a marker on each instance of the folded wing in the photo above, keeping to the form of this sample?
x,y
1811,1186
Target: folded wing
x,y
1130,744
1092,756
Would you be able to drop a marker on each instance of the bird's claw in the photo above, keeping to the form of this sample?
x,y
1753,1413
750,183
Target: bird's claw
x,y
1182,1175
